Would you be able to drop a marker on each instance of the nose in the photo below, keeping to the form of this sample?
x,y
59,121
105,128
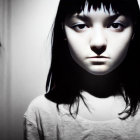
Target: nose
x,y
98,42
98,50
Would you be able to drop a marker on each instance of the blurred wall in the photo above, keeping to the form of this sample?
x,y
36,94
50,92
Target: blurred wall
x,y
24,59
4,74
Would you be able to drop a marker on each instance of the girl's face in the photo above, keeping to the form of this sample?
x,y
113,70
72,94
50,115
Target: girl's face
x,y
98,40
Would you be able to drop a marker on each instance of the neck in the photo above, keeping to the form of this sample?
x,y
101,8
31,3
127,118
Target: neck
x,y
100,86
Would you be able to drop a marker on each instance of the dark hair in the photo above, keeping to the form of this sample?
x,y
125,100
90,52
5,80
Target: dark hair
x,y
64,79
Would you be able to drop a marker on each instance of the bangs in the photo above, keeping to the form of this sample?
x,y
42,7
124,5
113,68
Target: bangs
x,y
125,7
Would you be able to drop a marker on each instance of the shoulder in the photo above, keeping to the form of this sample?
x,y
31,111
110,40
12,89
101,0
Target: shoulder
x,y
40,107
41,102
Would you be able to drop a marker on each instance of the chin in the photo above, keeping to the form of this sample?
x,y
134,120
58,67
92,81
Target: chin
x,y
99,72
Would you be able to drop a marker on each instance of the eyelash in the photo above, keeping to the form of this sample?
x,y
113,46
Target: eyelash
x,y
79,27
114,26
117,26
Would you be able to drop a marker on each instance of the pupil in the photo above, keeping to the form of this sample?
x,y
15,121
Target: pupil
x,y
81,26
115,25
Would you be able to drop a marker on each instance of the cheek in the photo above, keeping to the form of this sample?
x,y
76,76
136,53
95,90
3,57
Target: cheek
x,y
77,43
119,52
119,45
76,51
76,39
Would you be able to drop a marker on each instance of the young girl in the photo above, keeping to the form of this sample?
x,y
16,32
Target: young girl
x,y
93,82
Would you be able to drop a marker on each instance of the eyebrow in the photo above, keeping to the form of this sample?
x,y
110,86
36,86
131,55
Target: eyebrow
x,y
87,18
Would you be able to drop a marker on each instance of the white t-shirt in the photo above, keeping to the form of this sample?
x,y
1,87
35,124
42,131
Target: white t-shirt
x,y
44,122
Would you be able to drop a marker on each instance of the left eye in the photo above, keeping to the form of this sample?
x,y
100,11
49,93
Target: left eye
x,y
79,27
117,26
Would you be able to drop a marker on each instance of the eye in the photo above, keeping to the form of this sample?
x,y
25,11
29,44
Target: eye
x,y
117,26
79,27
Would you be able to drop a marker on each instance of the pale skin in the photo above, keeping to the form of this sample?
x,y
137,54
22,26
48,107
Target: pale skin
x,y
98,29
98,42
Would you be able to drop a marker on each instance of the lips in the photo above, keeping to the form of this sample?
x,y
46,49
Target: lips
x,y
98,60
98,56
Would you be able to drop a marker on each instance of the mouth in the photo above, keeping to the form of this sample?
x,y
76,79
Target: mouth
x,y
98,63
98,56
98,60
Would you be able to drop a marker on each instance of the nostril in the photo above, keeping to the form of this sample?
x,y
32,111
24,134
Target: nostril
x,y
98,50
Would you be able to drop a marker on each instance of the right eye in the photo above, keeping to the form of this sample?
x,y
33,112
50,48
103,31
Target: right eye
x,y
79,27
